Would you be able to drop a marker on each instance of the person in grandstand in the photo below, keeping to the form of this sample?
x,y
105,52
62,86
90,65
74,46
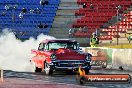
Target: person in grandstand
x,y
84,5
44,2
85,29
40,25
80,29
70,33
94,41
91,5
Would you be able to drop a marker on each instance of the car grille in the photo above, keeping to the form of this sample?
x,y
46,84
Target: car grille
x,y
70,63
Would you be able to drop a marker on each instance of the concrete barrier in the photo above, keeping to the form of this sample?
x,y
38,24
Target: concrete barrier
x,y
122,58
1,75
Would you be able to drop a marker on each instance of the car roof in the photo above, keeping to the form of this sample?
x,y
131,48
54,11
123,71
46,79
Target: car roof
x,y
57,40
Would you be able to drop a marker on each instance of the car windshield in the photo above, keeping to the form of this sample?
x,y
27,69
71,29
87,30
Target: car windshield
x,y
57,45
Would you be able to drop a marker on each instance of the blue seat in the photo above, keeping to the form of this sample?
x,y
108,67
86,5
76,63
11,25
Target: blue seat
x,y
30,20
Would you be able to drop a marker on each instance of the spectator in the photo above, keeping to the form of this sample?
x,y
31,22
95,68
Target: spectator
x,y
31,11
91,5
15,6
129,38
21,15
13,18
80,29
3,14
44,2
37,11
94,41
21,33
24,10
7,7
40,26
85,29
84,5
75,30
70,33
45,25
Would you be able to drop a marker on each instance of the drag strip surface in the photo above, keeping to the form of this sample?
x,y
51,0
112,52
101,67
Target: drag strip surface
x,y
58,80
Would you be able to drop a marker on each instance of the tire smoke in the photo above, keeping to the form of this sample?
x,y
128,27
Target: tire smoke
x,y
15,54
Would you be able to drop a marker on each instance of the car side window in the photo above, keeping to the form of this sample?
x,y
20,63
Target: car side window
x,y
46,47
78,46
41,46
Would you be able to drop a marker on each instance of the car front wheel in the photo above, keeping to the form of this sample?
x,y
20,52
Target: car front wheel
x,y
48,70
38,69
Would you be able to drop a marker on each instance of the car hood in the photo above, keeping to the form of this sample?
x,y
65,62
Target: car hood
x,y
68,54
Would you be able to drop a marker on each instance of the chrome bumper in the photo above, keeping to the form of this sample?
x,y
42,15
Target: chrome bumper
x,y
70,64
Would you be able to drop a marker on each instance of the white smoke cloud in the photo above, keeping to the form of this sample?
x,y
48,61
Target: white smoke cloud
x,y
15,54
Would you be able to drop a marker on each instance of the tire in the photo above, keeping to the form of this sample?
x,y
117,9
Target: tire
x,y
36,69
47,69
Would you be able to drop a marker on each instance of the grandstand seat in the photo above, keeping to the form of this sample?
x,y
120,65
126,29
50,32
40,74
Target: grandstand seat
x,y
122,26
102,12
28,24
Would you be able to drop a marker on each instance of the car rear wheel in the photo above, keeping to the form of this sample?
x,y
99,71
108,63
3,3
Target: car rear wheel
x,y
48,70
36,69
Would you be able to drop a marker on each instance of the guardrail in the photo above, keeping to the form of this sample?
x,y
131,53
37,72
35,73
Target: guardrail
x,y
1,75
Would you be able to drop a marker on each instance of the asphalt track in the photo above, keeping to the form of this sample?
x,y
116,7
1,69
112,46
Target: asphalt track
x,y
14,79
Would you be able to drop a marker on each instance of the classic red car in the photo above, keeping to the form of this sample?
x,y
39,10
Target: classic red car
x,y
60,55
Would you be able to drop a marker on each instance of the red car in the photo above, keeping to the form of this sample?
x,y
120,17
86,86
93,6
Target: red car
x,y
60,55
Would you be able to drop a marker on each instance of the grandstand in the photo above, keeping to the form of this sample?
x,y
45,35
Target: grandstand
x,y
28,17
111,19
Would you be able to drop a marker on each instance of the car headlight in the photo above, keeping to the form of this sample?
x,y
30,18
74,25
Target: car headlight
x,y
53,57
88,57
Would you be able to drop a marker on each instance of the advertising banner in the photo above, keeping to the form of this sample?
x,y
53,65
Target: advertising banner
x,y
109,56
101,56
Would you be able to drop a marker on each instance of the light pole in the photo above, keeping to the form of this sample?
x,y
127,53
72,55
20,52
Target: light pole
x,y
118,8
117,26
